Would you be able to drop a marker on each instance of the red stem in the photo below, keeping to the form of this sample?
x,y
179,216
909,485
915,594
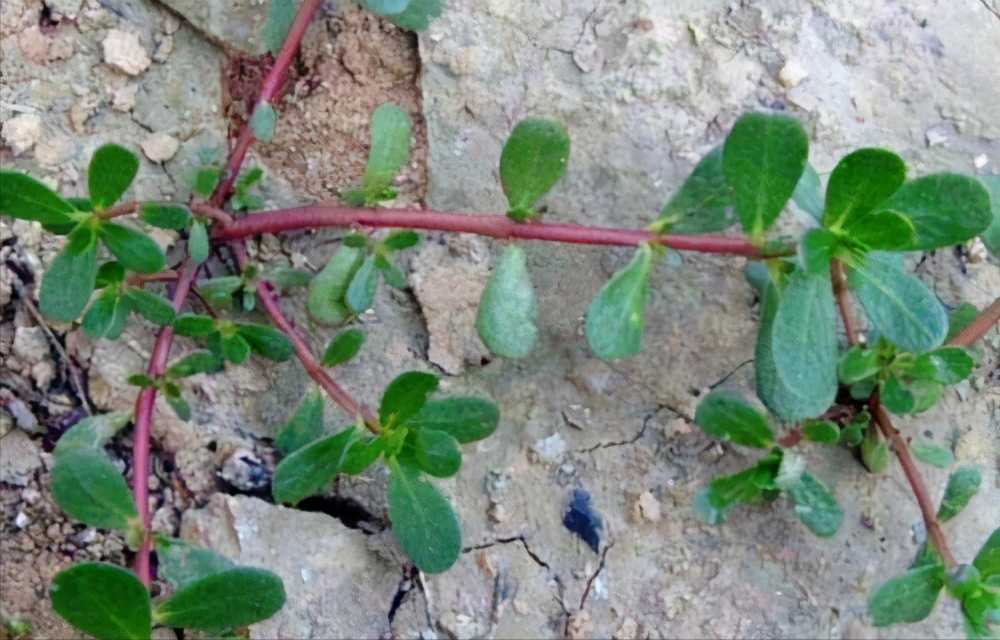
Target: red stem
x,y
143,423
494,226
268,91
978,327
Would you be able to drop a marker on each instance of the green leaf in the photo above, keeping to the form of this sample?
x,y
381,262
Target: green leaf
x,y
874,452
763,159
704,202
68,283
988,559
418,14
465,419
103,600
134,250
355,240
140,380
947,365
305,426
945,209
361,291
108,274
285,279
807,196
89,488
180,406
386,7
393,275
165,216
280,15
206,180
310,469
533,159
262,122
362,453
616,319
901,308
326,291
390,149
401,240
860,182
423,520
436,453
816,250
933,455
815,506
960,318
231,598
267,341
111,171
963,483
343,347
726,415
198,242
93,432
150,306
508,309
783,401
804,342
896,397
194,363
183,564
906,598
991,235
883,231
106,317
713,502
405,395
234,348
823,432
219,291
194,325
21,196
859,364
853,433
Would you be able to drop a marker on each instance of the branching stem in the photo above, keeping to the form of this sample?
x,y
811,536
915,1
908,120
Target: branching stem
x,y
494,226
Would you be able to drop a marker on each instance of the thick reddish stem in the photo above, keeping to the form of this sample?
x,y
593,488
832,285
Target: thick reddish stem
x,y
838,275
143,427
978,327
923,496
485,225
268,91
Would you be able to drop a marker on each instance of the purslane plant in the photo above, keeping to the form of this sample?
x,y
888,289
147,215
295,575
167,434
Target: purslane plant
x,y
820,376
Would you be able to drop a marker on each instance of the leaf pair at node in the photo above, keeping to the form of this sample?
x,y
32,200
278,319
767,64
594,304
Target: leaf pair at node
x,y
167,384
346,286
727,416
235,341
416,436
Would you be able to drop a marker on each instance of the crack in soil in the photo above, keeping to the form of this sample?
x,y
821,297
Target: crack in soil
x,y
560,586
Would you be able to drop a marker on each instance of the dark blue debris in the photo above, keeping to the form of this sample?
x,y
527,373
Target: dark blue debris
x,y
582,520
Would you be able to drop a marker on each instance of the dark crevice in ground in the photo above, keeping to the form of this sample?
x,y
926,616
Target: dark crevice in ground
x,y
560,586
351,513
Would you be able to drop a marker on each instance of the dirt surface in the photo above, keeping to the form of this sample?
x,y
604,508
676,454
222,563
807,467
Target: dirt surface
x,y
645,88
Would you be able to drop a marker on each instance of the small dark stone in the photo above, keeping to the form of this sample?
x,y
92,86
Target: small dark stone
x,y
582,520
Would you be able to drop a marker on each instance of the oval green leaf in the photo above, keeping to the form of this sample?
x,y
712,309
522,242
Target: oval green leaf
x,y
92,432
815,506
728,416
465,419
901,308
423,520
150,306
326,291
988,559
68,283
164,216
963,483
436,453
704,202
89,488
194,325
344,346
616,319
390,148
991,236
21,196
361,291
111,171
280,15
906,598
262,122
134,250
182,563
822,432
945,209
231,598
859,364
405,395
107,316
305,426
266,341
533,159
932,454
417,15
197,245
508,309
763,159
804,342
861,181
310,469
103,600
194,363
